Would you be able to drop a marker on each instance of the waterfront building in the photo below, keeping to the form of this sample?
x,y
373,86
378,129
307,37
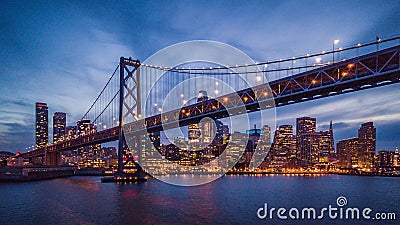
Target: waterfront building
x,y
42,125
307,140
347,152
367,145
84,127
283,139
309,147
326,144
71,132
385,158
305,125
59,126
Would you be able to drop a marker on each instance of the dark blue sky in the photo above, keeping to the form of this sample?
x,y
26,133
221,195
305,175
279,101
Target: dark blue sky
x,y
63,52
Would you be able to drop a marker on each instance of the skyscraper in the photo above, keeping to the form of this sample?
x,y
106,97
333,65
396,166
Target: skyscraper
x,y
309,147
305,125
283,139
307,139
367,144
59,126
326,144
42,125
347,152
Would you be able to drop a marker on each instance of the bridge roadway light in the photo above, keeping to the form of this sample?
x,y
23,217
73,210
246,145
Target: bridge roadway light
x,y
318,59
335,42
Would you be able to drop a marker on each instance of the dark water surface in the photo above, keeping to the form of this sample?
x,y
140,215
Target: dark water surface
x,y
229,200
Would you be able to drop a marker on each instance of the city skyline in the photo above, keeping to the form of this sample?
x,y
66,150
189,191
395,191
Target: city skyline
x,y
83,48
304,124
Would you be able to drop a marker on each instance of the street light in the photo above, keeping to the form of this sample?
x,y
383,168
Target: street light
x,y
335,42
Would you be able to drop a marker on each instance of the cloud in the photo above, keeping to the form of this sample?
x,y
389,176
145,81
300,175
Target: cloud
x,y
63,55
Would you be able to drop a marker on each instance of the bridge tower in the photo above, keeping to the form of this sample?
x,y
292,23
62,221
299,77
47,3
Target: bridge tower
x,y
129,100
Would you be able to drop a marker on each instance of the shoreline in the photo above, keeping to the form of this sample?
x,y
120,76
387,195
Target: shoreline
x,y
46,173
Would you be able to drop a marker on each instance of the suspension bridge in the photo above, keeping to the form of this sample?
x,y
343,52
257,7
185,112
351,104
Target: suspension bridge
x,y
131,102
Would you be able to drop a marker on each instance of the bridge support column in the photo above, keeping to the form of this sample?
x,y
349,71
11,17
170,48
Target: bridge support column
x,y
53,159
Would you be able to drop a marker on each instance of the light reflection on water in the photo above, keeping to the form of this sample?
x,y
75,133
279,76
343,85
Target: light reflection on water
x,y
229,200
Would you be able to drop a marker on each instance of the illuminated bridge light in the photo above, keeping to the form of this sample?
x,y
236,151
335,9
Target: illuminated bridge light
x,y
344,74
245,99
350,65
225,99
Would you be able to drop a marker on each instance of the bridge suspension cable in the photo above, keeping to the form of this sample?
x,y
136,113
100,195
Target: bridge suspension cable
x,y
103,111
101,92
292,59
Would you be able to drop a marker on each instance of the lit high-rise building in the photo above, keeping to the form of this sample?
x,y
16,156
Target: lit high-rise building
x,y
59,125
367,144
283,139
385,158
305,125
71,132
347,152
42,125
309,147
326,144
84,127
307,139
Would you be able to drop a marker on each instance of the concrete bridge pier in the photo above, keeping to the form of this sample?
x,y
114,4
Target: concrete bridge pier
x,y
53,159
